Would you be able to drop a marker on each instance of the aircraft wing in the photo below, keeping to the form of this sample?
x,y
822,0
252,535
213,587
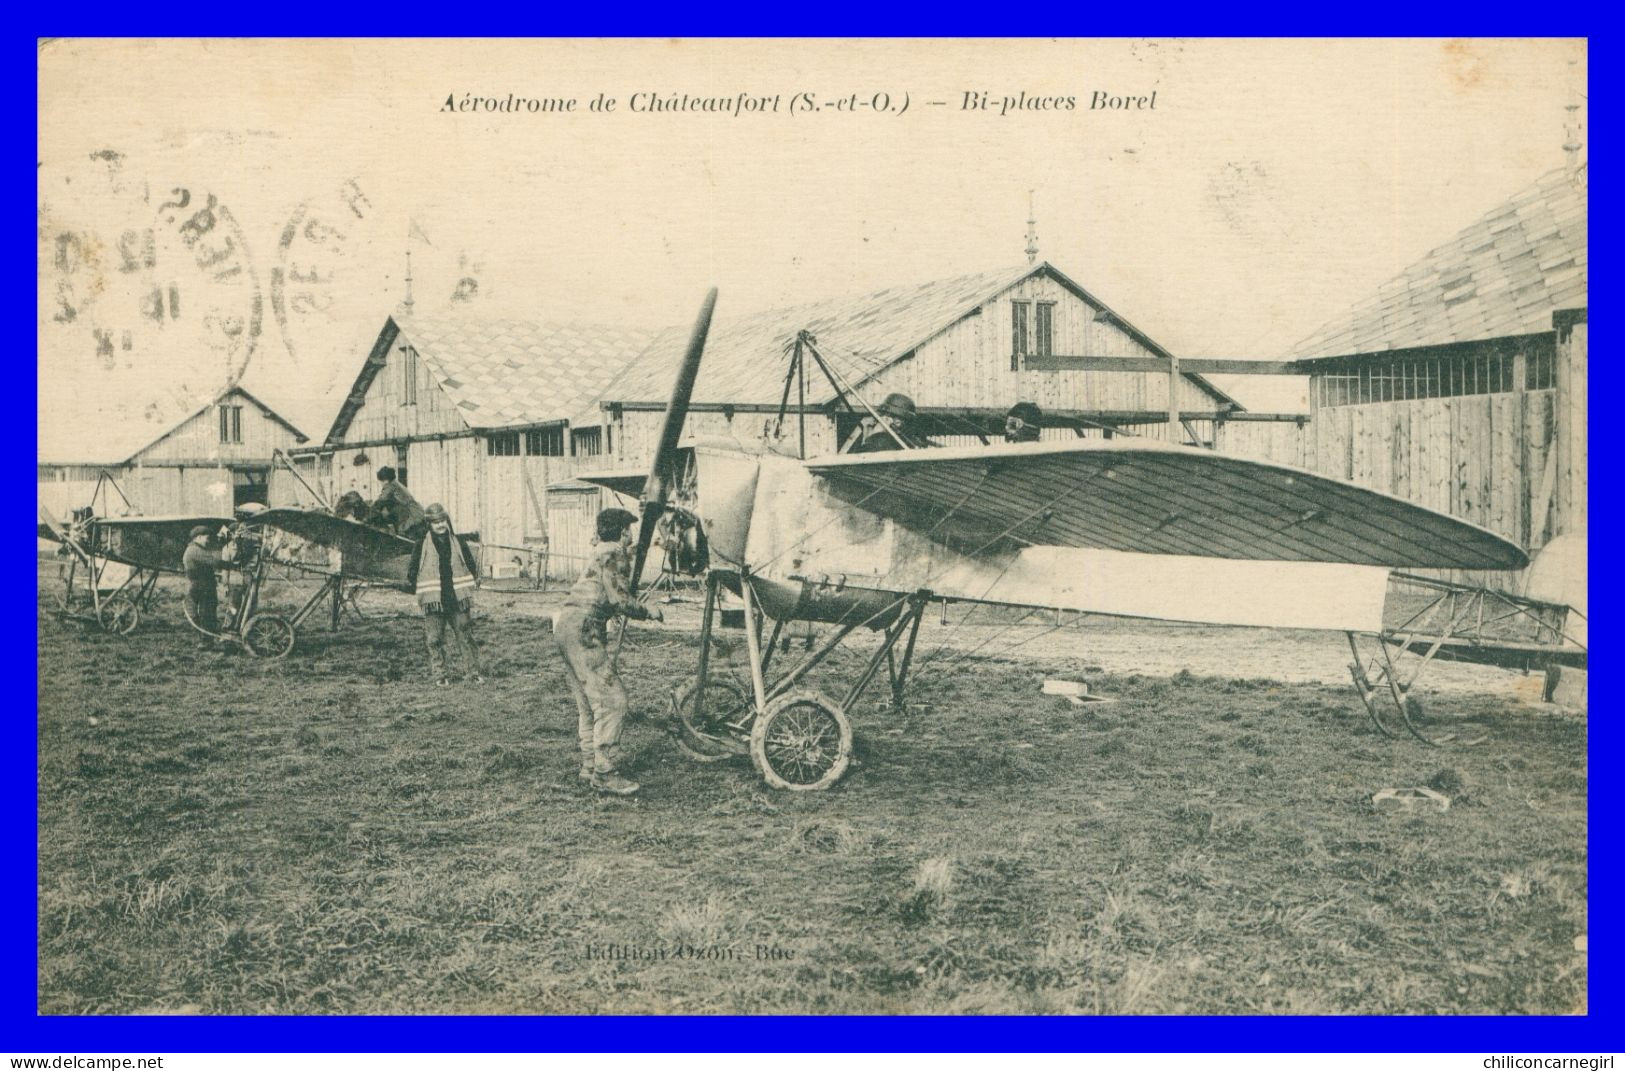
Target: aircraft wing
x,y
1152,497
150,542
365,552
626,483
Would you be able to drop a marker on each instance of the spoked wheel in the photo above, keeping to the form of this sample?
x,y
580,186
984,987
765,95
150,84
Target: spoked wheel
x,y
801,742
717,734
268,636
119,615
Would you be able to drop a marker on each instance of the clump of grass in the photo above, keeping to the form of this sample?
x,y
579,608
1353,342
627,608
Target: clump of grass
x,y
933,882
1194,822
1133,994
1448,781
1125,921
829,837
94,764
1253,743
699,924
511,761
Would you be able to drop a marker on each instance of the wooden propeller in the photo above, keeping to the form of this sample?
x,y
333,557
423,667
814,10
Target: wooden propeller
x,y
663,470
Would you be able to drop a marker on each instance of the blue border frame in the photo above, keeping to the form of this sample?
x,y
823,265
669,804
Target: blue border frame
x,y
24,1031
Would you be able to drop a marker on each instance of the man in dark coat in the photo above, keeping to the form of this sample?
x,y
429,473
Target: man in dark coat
x,y
444,575
1021,423
395,508
896,427
201,562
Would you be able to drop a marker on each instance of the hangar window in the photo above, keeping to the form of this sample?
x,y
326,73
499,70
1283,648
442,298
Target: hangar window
x,y
545,442
506,445
409,376
1019,314
1423,376
1044,333
589,442
231,423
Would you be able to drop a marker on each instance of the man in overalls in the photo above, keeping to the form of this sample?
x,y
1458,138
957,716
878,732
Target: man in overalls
x,y
581,631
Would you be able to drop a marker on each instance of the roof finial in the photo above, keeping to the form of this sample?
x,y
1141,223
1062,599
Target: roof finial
x,y
407,304
1032,230
1571,127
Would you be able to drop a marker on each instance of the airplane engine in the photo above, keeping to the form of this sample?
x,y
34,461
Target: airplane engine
x,y
827,601
727,494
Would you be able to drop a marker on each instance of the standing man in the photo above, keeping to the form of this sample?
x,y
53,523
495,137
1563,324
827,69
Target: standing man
x,y
395,508
581,631
444,574
1021,423
201,562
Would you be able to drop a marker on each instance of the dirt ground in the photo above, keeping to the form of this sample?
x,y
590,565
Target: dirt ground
x,y
331,834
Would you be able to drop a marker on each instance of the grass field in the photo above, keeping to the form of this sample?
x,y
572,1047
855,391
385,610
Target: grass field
x,y
329,835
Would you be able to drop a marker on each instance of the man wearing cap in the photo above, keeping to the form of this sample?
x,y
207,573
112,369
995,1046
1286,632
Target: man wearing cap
x,y
1021,423
894,429
444,575
581,633
201,561
395,508
351,505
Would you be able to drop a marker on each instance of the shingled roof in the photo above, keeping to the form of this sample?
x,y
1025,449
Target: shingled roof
x,y
861,335
1503,275
505,373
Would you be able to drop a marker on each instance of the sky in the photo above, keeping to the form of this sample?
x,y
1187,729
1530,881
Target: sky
x,y
1271,185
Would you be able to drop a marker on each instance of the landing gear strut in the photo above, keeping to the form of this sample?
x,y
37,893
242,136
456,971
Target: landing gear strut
x,y
799,739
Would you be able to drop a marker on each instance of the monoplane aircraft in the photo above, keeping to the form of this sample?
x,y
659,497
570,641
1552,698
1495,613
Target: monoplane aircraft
x,y
114,562
1126,527
356,556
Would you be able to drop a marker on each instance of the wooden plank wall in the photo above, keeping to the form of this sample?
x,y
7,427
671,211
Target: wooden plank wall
x,y
483,493
1482,458
283,490
637,432
571,516
199,437
1280,441
86,474
383,414
968,365
169,490
62,497
154,492
1571,490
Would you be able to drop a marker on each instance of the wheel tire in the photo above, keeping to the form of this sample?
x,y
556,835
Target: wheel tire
x,y
802,742
119,616
702,742
268,636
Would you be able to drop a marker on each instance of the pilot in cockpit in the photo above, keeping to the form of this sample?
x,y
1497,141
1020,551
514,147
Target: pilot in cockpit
x,y
898,413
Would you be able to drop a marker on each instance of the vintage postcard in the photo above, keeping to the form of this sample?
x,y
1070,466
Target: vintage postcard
x,y
1079,527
